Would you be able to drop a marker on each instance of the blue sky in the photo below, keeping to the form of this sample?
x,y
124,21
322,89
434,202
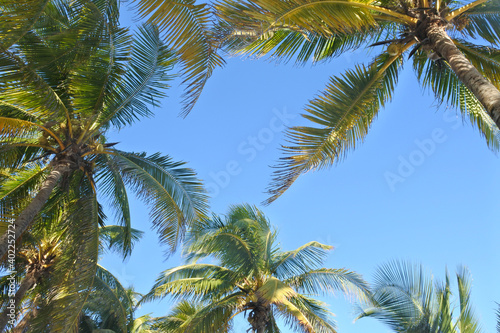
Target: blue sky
x,y
422,187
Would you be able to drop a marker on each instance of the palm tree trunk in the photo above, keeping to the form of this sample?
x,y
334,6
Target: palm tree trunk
x,y
484,90
27,283
25,219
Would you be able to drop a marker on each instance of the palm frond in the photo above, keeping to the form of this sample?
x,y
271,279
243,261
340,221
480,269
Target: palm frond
x,y
301,260
343,113
186,26
449,89
119,238
175,195
483,21
143,82
197,281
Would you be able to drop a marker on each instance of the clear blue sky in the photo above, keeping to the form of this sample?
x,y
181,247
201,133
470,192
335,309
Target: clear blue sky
x,y
442,211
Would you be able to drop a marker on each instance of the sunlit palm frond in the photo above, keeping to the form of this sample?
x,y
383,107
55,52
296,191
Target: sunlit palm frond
x,y
467,322
343,115
175,195
308,256
197,281
186,26
316,312
15,192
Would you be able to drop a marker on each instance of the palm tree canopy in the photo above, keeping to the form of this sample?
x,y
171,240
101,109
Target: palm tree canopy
x,y
70,77
405,297
320,30
252,273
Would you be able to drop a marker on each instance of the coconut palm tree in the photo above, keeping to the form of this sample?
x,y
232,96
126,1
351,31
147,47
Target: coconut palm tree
x,y
440,35
406,298
56,266
252,274
64,84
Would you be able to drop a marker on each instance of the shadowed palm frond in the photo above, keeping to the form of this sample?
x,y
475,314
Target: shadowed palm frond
x,y
448,89
173,192
343,115
186,26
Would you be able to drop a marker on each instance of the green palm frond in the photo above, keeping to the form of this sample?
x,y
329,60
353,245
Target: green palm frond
x,y
343,113
173,192
448,88
466,322
18,18
16,191
483,21
111,185
301,260
323,17
406,299
327,280
186,26
485,59
119,238
143,82
198,281
316,312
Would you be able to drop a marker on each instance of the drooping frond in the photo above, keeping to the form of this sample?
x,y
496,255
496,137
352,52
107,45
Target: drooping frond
x,y
186,26
449,89
119,239
342,114
143,82
482,21
176,197
466,321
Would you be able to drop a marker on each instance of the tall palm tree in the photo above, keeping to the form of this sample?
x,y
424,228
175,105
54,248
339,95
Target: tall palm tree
x,y
64,84
438,34
252,274
407,299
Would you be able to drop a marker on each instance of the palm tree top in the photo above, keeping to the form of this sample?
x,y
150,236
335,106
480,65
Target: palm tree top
x,y
249,271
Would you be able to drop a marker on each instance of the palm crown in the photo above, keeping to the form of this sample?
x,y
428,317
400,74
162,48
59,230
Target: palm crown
x,y
436,34
253,274
406,298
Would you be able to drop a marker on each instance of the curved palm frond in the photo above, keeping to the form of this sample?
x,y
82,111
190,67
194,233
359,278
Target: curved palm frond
x,y
119,238
175,195
141,83
187,29
343,113
482,21
448,88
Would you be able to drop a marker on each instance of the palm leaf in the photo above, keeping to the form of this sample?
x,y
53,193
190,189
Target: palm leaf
x,y
483,21
187,29
343,113
174,194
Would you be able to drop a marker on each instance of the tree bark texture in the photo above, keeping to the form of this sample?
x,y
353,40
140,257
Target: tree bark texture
x,y
482,88
25,219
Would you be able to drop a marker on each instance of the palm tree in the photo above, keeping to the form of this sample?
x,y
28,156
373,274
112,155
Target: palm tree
x,y
64,84
407,299
438,34
252,274
56,265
